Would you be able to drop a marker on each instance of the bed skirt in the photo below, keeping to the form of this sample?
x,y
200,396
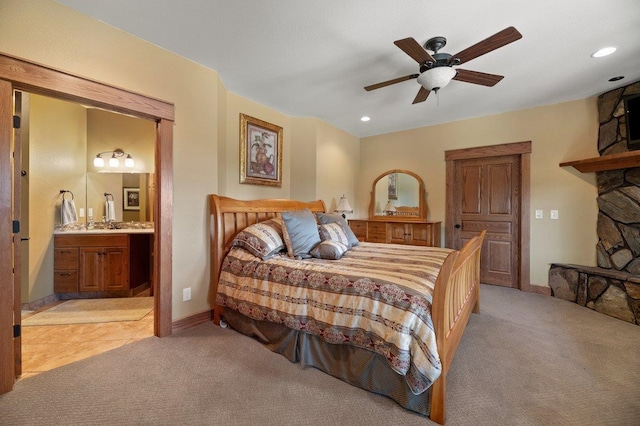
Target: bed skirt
x,y
358,367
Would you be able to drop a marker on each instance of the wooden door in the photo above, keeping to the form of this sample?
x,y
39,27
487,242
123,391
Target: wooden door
x,y
487,197
488,188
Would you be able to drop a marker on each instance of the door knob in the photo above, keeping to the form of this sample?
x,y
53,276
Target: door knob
x,y
457,226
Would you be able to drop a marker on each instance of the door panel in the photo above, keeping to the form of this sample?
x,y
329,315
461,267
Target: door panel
x,y
487,193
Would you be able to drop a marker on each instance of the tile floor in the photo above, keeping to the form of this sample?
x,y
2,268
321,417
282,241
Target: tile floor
x,y
51,346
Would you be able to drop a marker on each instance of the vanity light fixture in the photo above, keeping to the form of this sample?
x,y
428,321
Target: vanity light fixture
x,y
114,160
343,206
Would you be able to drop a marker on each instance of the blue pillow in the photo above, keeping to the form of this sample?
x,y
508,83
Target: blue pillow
x,y
300,231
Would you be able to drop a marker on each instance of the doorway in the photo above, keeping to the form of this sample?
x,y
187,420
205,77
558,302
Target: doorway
x,y
488,188
21,75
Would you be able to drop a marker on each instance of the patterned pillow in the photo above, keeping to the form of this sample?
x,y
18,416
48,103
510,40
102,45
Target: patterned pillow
x,y
300,232
262,239
332,250
334,232
324,218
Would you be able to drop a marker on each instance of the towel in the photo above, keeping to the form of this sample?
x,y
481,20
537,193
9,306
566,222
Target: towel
x,y
110,211
68,212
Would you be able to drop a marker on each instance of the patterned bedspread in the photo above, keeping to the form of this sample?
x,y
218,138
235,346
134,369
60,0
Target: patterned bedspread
x,y
378,297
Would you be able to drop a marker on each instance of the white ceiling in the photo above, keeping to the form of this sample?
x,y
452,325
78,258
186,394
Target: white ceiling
x,y
310,58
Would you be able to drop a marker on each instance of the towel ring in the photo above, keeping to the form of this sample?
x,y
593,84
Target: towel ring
x,y
106,195
64,192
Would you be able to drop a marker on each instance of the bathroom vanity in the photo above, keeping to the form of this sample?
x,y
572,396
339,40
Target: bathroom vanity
x,y
104,262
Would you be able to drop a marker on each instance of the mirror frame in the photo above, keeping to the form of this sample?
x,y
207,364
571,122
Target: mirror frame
x,y
422,197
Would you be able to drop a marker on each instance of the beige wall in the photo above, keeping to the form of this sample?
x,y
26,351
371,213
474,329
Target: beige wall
x,y
558,133
206,130
57,155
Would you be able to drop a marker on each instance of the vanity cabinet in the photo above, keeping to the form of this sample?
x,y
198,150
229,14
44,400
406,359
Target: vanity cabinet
x,y
102,263
397,231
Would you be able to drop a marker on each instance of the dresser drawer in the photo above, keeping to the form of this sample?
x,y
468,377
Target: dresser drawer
x,y
377,232
359,228
65,281
65,258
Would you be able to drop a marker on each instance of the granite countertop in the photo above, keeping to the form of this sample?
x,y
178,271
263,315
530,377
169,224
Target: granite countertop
x,y
118,228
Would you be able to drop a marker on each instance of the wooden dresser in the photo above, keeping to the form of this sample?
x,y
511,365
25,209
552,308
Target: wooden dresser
x,y
397,231
97,263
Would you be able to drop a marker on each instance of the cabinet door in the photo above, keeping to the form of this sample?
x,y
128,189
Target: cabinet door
x,y
115,269
90,269
397,233
421,234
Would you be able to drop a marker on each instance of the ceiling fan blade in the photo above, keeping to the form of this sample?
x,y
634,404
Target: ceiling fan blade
x,y
412,48
477,77
422,95
504,37
390,82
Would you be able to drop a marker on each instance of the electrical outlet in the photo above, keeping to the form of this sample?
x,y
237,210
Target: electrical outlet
x,y
186,294
553,214
539,214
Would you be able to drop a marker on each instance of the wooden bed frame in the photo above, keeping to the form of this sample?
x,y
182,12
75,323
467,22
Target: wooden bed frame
x,y
456,293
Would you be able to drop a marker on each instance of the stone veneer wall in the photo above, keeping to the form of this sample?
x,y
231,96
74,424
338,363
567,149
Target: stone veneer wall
x,y
613,287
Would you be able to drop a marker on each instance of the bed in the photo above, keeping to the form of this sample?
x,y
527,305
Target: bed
x,y
361,336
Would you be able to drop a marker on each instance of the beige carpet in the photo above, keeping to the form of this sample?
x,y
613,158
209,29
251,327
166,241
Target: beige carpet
x,y
525,360
81,311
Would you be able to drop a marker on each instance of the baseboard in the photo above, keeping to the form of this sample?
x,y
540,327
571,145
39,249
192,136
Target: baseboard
x,y
191,321
540,289
40,303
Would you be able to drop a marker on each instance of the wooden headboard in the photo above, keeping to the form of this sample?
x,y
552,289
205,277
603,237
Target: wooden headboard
x,y
230,216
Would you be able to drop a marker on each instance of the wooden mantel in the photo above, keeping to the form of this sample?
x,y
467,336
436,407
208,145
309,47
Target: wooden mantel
x,y
622,160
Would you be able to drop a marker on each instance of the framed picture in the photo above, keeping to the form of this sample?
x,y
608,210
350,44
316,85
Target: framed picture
x,y
131,198
393,186
260,152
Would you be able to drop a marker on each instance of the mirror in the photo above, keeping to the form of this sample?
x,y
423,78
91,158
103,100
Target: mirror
x,y
137,187
400,194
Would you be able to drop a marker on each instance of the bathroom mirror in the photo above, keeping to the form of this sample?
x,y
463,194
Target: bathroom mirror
x,y
138,187
399,194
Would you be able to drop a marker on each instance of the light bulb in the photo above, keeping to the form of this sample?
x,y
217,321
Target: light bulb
x,y
113,161
128,162
98,161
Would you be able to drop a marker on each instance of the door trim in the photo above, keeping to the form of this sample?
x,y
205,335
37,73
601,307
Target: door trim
x,y
523,150
23,75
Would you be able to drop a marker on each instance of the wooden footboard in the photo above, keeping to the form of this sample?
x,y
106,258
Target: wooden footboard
x,y
456,295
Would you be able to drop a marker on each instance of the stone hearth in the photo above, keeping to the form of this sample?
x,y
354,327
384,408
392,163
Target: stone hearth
x,y
613,287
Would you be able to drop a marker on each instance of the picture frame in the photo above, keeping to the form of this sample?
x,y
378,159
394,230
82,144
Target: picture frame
x,y
260,152
392,192
131,198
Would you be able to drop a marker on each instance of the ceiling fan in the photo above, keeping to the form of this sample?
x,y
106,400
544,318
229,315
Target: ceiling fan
x,y
436,71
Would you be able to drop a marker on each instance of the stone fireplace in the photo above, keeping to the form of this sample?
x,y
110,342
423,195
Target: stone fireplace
x,y
613,287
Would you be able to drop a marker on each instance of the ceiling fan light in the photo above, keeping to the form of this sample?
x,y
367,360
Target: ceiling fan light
x,y
436,78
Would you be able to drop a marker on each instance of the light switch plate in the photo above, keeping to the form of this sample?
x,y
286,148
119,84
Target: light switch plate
x,y
186,294
539,214
553,214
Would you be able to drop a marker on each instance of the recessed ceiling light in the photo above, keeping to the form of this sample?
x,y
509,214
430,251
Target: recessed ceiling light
x,y
603,52
365,118
620,77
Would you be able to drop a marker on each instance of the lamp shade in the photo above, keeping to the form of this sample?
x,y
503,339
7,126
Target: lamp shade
x,y
343,206
98,161
436,78
389,208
